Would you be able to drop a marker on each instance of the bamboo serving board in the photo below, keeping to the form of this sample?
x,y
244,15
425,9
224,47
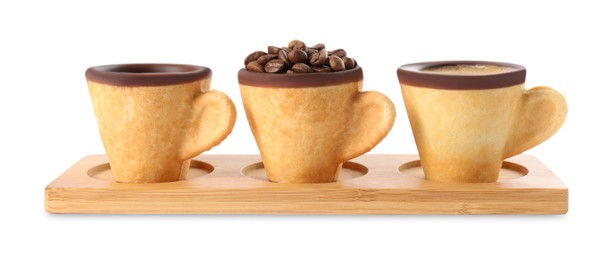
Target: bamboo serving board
x,y
370,184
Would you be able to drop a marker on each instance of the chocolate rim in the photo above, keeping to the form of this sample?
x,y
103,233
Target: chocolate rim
x,y
413,74
146,74
299,80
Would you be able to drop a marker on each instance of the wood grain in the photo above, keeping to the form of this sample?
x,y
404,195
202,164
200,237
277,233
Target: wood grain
x,y
383,190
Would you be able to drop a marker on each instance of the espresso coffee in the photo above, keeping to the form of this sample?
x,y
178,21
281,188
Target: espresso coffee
x,y
468,69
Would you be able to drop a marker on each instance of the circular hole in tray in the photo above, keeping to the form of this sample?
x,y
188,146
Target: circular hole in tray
x,y
509,170
350,170
197,169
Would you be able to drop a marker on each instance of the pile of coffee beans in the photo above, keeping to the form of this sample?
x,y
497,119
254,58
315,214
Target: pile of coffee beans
x,y
298,58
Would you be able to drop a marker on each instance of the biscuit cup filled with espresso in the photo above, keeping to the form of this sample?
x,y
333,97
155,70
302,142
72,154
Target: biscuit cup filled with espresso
x,y
468,116
307,112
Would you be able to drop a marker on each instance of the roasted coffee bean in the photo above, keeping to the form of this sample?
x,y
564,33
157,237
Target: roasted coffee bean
x,y
339,53
297,56
275,66
286,49
318,46
311,56
283,55
349,63
266,58
255,66
310,50
319,58
290,72
336,63
296,45
302,68
273,50
321,68
253,56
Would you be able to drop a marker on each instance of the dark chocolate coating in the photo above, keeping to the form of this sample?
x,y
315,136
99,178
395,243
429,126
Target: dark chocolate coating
x,y
136,75
299,80
412,74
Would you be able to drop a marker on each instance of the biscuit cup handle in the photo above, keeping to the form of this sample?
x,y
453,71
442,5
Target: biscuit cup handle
x,y
372,119
214,119
542,112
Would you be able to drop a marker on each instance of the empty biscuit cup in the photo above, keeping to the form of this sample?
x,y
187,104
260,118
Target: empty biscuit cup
x,y
153,118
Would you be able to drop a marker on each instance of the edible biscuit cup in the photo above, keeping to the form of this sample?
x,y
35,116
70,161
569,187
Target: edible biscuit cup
x,y
466,124
307,125
153,118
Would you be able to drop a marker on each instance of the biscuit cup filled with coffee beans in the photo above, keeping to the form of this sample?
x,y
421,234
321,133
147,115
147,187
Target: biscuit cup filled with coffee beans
x,y
307,112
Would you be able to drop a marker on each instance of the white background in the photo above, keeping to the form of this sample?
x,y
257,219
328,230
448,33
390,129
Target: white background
x,y
48,123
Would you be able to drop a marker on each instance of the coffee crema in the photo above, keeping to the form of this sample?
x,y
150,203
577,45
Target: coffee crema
x,y
461,75
468,69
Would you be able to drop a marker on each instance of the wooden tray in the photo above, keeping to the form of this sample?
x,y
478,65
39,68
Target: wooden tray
x,y
370,184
